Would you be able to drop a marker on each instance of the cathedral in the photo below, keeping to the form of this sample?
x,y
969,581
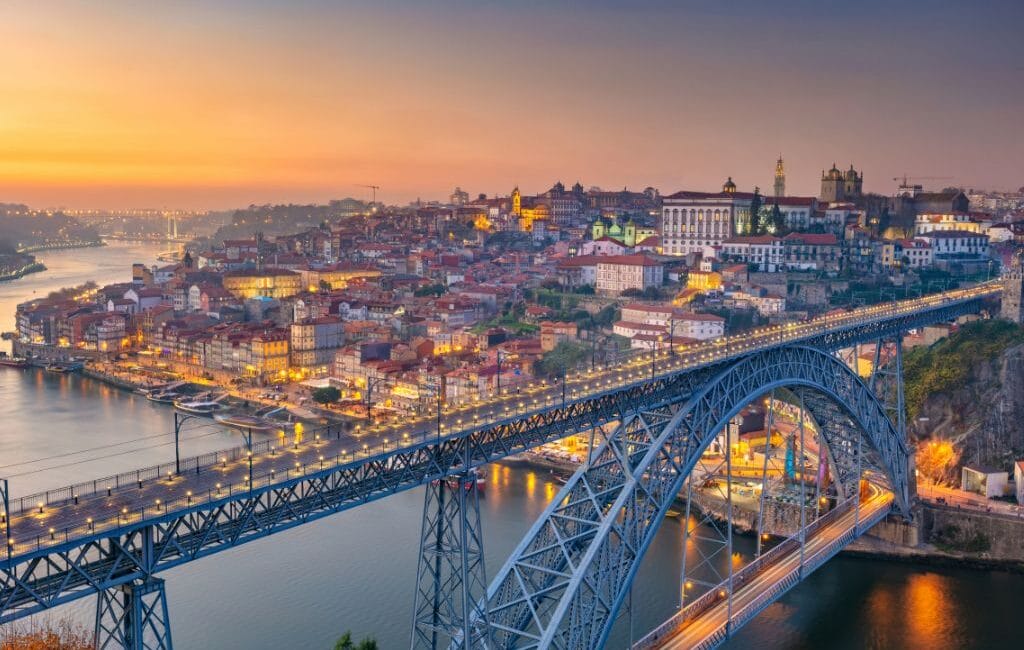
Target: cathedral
x,y
838,186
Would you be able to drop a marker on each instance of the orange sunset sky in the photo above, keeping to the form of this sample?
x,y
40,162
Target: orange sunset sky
x,y
222,104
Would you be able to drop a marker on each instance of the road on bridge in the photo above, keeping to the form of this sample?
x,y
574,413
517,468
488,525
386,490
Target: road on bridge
x,y
702,631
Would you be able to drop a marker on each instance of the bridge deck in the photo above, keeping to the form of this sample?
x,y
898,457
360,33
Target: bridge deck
x,y
64,520
709,628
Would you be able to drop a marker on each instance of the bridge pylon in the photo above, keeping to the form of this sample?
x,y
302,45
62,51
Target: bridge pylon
x,y
451,579
133,616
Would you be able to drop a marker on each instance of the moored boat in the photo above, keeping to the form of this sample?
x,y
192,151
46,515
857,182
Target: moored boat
x,y
163,397
475,479
246,422
202,408
13,362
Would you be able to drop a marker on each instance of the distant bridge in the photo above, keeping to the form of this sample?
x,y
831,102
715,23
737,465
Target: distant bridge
x,y
564,585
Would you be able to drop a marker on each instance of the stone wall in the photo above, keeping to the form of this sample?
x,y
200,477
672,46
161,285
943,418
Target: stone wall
x,y
976,534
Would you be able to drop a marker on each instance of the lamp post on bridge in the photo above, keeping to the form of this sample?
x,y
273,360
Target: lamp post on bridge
x,y
371,383
179,420
499,356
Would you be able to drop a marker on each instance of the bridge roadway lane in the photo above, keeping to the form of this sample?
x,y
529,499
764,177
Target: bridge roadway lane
x,y
31,529
713,620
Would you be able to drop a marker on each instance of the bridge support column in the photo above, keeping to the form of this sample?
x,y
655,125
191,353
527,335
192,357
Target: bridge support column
x,y
887,384
133,617
451,580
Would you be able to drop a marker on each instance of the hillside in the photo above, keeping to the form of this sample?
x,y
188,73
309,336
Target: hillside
x,y
969,389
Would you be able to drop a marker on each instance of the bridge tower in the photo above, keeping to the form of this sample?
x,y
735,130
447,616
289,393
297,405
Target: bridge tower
x,y
133,616
451,579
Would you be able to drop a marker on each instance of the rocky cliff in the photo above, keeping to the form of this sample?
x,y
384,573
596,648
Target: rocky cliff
x,y
969,389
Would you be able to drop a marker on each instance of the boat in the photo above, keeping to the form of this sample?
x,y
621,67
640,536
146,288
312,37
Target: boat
x,y
13,362
474,479
561,479
672,514
65,366
206,408
163,397
246,422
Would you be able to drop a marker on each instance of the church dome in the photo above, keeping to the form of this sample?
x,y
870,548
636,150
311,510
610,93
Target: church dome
x,y
729,186
834,174
851,174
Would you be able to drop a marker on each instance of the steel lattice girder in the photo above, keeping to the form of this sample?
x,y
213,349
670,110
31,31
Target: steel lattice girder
x,y
50,575
564,584
451,579
133,616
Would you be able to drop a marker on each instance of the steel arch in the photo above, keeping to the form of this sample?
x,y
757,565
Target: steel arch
x,y
565,583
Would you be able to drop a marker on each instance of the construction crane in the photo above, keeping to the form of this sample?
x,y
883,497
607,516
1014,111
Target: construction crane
x,y
373,187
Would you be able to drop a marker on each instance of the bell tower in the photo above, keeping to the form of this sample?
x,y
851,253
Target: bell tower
x,y
780,179
517,202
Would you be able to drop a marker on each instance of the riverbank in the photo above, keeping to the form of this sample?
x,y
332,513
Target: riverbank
x,y
34,267
56,246
867,548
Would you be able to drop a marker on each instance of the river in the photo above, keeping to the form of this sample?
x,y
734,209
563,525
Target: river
x,y
355,570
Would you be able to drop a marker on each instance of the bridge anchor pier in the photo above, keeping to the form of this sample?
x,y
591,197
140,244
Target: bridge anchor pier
x,y
451,579
133,616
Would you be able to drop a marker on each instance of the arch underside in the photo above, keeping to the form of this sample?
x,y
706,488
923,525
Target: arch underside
x,y
564,584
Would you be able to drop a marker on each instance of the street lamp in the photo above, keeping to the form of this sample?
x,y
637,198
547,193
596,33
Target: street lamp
x,y
372,383
179,420
499,357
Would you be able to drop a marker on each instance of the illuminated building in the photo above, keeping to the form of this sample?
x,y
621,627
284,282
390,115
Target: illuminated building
x,y
268,283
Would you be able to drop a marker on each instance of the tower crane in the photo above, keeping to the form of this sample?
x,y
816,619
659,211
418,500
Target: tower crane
x,y
373,187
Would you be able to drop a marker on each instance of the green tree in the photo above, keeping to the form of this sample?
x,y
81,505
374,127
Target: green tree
x,y
326,395
778,221
566,356
367,644
345,642
755,212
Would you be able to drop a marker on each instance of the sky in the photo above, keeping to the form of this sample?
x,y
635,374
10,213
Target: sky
x,y
220,104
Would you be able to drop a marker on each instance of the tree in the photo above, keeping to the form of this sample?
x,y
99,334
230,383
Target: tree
x,y
778,221
345,642
755,212
62,636
566,356
326,395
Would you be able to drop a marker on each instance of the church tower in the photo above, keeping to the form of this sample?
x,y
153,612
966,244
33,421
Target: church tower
x,y
517,202
780,179
629,234
1013,287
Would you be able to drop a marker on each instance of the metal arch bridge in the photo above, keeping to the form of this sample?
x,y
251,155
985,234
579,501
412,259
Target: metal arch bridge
x,y
112,536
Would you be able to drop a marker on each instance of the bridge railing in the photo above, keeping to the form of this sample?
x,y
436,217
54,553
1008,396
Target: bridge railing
x,y
130,517
111,485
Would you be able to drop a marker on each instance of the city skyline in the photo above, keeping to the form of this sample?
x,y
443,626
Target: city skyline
x,y
225,104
